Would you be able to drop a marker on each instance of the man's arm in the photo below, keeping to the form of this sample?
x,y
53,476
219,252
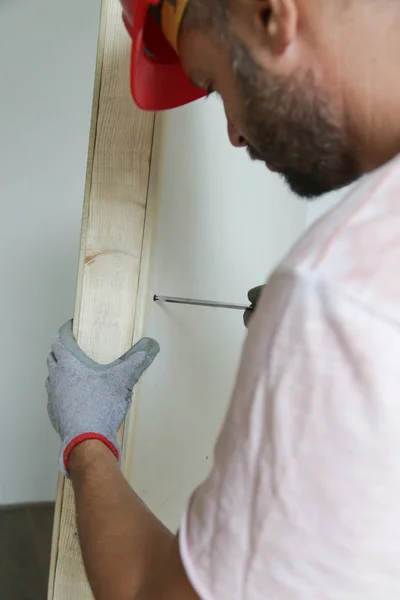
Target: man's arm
x,y
127,552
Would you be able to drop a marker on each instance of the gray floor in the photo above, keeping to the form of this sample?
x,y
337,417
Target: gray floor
x,y
25,541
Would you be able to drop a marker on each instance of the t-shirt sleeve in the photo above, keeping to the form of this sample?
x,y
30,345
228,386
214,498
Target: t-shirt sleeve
x,y
302,501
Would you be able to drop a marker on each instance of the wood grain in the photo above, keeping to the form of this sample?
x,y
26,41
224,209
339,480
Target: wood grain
x,y
110,257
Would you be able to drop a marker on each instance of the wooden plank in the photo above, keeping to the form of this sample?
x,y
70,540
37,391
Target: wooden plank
x,y
110,256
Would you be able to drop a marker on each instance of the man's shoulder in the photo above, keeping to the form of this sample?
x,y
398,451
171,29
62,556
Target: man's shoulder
x,y
372,205
356,246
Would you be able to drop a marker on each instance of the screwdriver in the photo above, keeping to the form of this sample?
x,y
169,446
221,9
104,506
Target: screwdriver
x,y
195,302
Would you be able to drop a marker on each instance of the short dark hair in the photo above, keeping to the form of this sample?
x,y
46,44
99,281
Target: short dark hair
x,y
208,15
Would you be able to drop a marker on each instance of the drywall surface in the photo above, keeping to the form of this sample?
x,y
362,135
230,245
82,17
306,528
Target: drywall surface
x,y
47,58
223,223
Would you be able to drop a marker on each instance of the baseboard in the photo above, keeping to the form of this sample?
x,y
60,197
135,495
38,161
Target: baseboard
x,y
25,505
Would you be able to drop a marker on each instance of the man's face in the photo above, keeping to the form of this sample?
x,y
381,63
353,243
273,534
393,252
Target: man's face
x,y
280,108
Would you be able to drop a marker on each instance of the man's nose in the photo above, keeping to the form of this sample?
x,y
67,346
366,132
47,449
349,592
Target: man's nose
x,y
235,138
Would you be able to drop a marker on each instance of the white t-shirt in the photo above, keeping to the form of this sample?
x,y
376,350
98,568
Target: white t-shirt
x,y
303,502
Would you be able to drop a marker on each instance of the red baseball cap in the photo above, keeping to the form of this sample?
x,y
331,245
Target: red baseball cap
x,y
158,81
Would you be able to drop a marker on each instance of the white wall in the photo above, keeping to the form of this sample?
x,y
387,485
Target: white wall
x,y
223,223
47,58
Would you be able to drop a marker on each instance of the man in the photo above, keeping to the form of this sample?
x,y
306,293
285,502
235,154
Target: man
x,y
302,502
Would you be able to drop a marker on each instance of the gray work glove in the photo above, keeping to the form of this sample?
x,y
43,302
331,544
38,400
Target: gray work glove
x,y
254,296
87,400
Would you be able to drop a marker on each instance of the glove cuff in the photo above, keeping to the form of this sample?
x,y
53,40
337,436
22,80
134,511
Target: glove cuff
x,y
90,435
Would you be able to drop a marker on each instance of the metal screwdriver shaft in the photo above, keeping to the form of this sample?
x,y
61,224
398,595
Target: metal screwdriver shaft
x,y
195,302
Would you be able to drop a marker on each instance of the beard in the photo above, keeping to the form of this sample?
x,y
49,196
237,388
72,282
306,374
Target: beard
x,y
292,127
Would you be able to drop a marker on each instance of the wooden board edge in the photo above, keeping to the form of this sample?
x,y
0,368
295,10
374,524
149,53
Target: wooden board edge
x,y
142,303
88,184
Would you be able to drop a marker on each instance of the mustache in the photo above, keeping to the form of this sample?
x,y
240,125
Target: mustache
x,y
254,154
274,158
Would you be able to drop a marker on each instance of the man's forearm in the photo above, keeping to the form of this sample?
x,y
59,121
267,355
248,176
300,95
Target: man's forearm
x,y
122,541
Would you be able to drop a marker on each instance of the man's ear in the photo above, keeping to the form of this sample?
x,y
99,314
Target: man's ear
x,y
271,24
278,20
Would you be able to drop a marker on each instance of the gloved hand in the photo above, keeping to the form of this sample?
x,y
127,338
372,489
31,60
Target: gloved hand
x,y
87,400
253,295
